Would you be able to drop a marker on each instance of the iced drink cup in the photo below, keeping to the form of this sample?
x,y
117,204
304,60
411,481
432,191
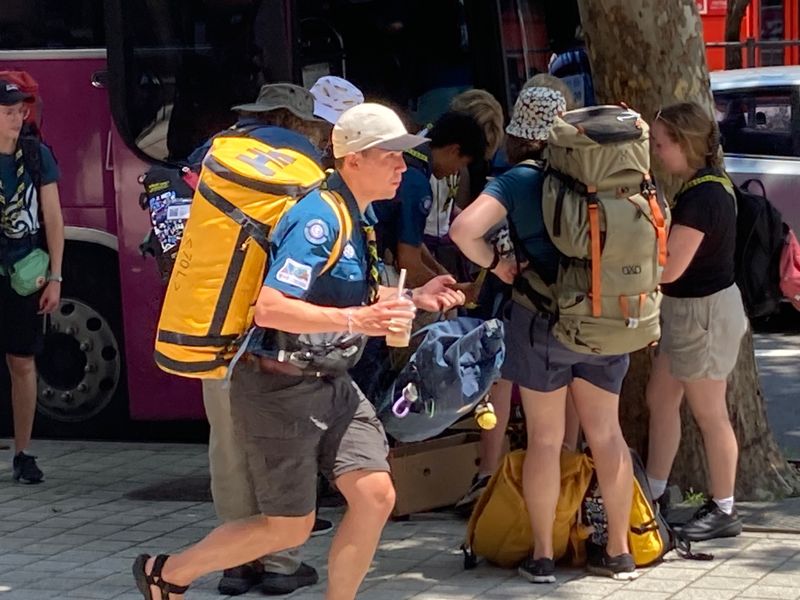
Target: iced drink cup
x,y
401,337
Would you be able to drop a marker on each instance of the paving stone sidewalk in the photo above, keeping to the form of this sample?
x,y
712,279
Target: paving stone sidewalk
x,y
75,537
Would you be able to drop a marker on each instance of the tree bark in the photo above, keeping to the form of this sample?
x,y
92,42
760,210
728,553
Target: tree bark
x,y
733,28
648,54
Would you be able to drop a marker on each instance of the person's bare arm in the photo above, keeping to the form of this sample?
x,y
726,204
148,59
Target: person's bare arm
x,y
54,229
411,259
681,247
275,310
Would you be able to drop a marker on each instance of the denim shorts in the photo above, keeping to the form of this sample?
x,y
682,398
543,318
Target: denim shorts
x,y
294,427
538,361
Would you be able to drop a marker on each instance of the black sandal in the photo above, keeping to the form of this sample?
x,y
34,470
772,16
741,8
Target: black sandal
x,y
145,580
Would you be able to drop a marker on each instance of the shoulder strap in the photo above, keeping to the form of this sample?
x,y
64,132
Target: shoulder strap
x,y
532,163
32,155
417,154
723,181
339,207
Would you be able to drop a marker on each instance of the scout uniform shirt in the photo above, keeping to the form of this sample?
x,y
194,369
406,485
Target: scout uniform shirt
x,y
300,247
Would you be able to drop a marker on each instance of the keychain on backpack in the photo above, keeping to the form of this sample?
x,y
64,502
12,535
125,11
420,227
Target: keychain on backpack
x,y
403,405
485,416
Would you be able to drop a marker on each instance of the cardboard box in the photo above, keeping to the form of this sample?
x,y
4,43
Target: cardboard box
x,y
434,473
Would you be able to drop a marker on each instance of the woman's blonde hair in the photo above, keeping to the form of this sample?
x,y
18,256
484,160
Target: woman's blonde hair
x,y
486,110
546,80
692,128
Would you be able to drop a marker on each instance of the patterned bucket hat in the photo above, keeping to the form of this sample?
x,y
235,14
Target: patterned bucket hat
x,y
535,112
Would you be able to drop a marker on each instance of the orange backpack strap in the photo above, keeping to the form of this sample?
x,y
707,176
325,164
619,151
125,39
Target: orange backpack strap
x,y
659,222
339,207
595,251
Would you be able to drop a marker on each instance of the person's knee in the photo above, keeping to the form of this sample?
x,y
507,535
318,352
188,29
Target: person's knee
x,y
604,434
713,421
663,402
21,366
292,531
374,495
546,444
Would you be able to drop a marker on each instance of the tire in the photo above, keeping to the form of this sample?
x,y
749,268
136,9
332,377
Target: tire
x,y
82,385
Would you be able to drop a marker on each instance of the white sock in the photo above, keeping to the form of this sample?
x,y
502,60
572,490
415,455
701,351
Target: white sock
x,y
657,487
725,504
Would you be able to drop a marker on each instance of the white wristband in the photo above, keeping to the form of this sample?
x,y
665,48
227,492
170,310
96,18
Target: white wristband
x,y
349,314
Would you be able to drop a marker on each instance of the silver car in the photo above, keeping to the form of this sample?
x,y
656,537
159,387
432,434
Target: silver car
x,y
758,111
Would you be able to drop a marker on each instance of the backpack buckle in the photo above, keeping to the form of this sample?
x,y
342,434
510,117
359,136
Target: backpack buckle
x,y
631,323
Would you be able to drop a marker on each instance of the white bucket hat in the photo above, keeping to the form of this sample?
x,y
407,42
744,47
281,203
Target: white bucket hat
x,y
334,95
371,125
535,112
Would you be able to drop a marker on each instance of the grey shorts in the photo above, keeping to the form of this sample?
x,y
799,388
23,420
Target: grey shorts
x,y
296,427
538,361
702,336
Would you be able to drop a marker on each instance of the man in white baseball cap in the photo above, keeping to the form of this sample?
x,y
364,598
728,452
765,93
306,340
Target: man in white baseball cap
x,y
371,125
303,417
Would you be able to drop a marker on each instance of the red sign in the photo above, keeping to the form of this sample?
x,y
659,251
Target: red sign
x,y
712,7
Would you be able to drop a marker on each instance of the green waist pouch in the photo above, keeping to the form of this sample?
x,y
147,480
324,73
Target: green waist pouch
x,y
29,274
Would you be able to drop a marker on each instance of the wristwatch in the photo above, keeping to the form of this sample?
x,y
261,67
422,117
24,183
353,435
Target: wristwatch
x,y
54,277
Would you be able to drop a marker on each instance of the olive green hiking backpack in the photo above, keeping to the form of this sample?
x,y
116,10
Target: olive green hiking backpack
x,y
602,213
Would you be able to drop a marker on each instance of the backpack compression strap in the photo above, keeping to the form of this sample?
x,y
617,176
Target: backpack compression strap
x,y
595,250
339,207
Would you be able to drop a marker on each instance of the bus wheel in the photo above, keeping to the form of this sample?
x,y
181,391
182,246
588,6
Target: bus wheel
x,y
82,389
79,369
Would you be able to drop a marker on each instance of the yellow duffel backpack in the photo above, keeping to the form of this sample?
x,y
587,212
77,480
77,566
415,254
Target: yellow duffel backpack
x,y
245,187
499,529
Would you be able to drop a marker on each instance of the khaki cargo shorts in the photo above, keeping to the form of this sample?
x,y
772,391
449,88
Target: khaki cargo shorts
x,y
702,336
293,427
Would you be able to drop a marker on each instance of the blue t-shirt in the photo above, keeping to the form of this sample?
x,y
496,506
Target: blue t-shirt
x,y
402,219
300,247
269,134
302,243
17,242
519,190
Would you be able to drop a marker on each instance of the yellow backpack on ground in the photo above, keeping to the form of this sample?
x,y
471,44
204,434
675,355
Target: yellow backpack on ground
x,y
650,537
245,187
499,529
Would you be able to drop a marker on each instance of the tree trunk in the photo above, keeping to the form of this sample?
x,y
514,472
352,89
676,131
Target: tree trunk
x,y
648,54
733,28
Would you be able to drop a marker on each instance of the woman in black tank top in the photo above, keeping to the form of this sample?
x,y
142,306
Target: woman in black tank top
x,y
703,319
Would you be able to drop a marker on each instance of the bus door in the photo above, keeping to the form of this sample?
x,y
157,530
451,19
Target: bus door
x,y
175,70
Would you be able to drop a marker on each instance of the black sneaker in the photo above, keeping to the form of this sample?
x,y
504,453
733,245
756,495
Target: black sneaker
x,y
538,570
620,567
321,527
26,470
663,505
467,502
711,522
276,584
241,580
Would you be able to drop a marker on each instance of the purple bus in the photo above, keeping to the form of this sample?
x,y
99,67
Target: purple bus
x,y
129,83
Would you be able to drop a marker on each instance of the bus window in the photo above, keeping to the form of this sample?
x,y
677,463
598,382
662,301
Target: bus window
x,y
177,67
51,24
414,54
525,44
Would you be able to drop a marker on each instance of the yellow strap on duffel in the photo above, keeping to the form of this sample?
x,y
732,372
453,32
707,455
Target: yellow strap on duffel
x,y
339,207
